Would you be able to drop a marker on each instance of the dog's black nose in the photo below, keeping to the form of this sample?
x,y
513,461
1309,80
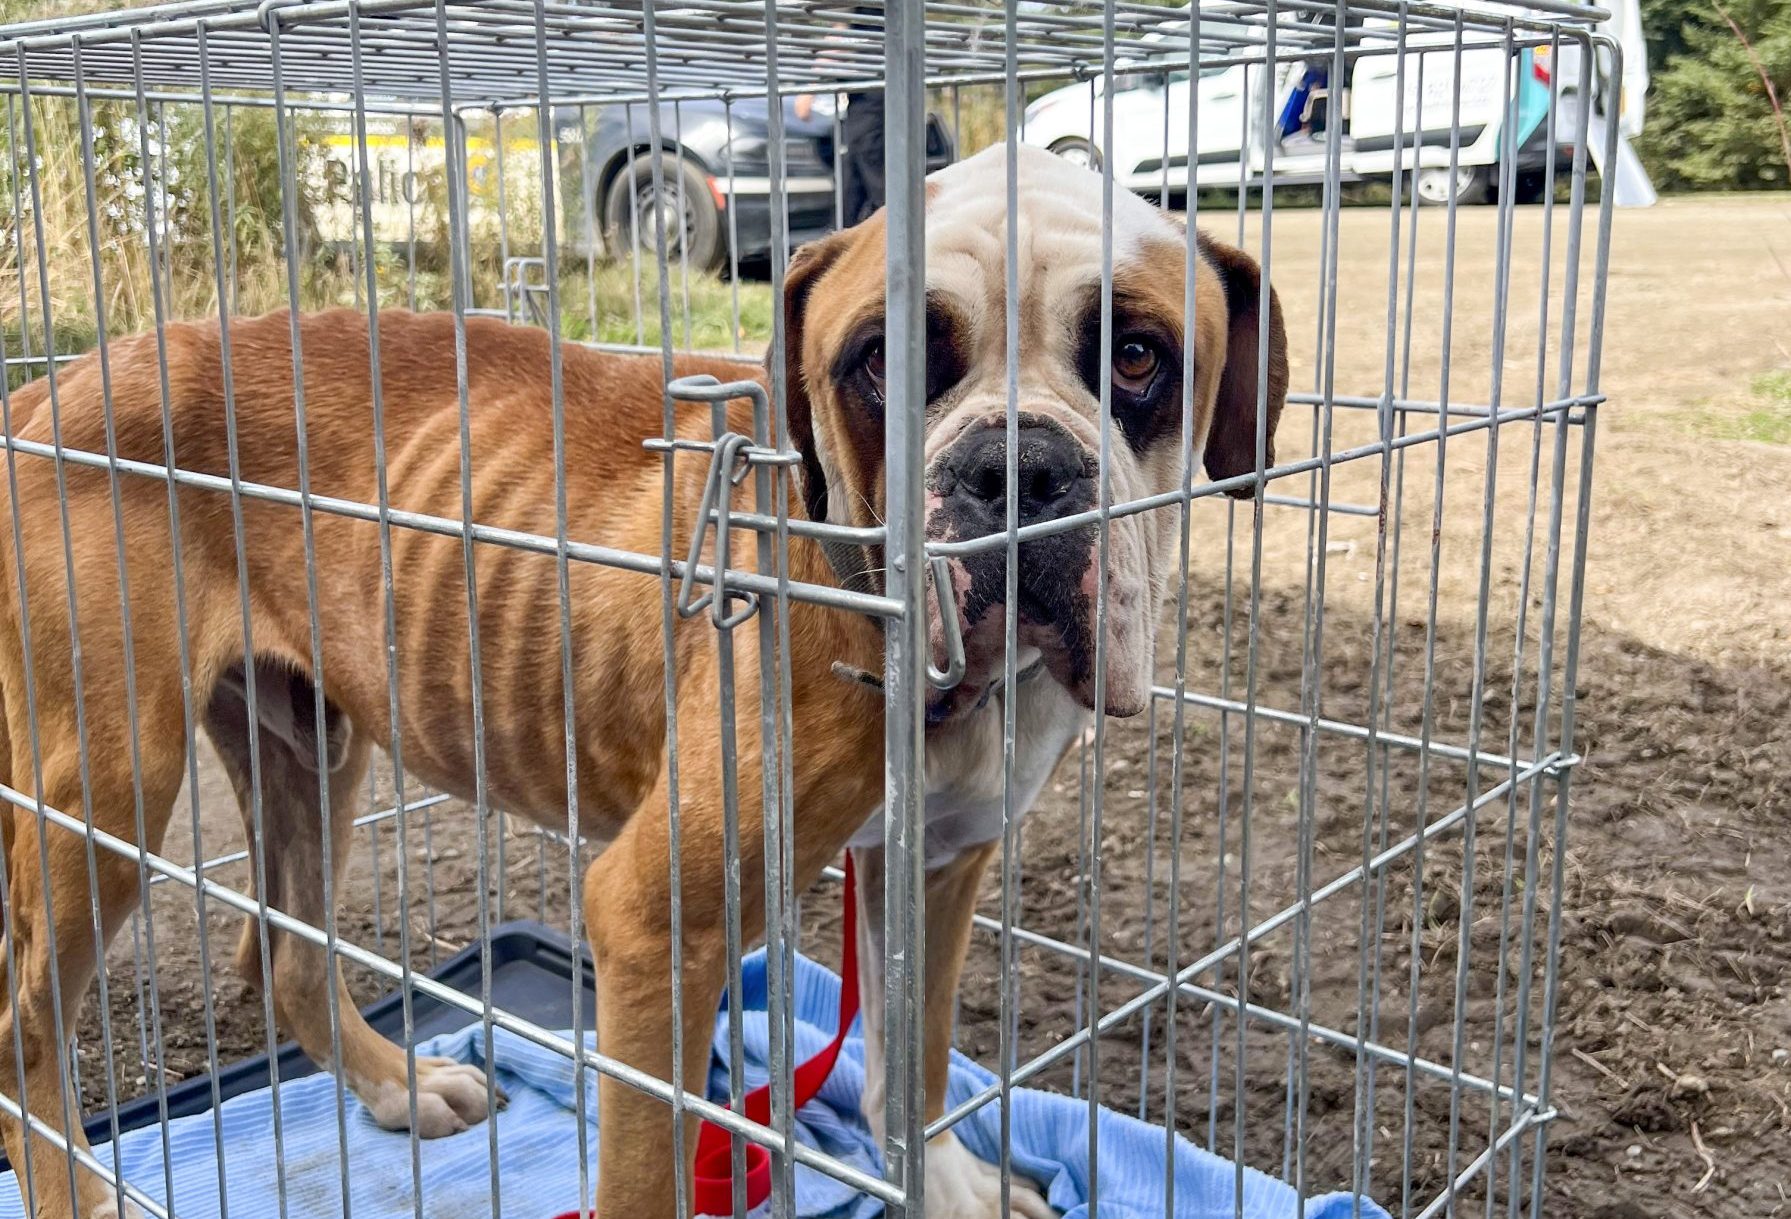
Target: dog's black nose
x,y
1054,477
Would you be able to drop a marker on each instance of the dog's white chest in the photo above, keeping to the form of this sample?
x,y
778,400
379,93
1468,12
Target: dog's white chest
x,y
964,770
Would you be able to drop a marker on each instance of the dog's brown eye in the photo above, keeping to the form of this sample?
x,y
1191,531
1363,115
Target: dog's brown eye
x,y
873,364
1135,362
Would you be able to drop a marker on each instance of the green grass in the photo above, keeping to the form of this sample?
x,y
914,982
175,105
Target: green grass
x,y
72,335
702,308
1762,414
1770,422
598,303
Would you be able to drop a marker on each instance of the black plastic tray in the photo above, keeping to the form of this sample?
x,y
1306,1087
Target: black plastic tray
x,y
531,977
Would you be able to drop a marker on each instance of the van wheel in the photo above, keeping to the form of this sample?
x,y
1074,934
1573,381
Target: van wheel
x,y
1468,184
1529,187
1078,151
692,221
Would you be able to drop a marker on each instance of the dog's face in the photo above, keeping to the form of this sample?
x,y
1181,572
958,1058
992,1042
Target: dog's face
x,y
836,387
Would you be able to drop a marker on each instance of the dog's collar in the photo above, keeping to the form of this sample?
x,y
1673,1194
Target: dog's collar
x,y
852,568
863,677
1021,678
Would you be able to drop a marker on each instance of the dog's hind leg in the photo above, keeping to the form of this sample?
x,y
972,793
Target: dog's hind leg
x,y
63,915
293,762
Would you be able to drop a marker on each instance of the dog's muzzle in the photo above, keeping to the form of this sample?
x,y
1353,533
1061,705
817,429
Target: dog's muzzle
x,y
1054,477
969,494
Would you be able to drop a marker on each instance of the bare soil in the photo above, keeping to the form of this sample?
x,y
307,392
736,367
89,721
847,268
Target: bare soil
x,y
1672,1055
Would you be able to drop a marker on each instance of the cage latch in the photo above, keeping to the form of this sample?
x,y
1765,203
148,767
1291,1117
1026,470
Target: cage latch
x,y
731,458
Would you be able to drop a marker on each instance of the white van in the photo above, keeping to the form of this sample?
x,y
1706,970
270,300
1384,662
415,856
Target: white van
x,y
1152,149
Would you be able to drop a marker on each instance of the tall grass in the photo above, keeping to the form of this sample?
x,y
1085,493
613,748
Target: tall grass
x,y
66,263
703,307
66,267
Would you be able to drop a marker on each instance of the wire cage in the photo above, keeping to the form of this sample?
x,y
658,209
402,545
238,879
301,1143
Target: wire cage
x,y
1300,912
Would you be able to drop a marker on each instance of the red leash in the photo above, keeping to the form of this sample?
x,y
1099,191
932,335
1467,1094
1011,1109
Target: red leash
x,y
714,1155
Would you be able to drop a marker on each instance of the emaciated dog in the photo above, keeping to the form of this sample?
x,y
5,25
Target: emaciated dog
x,y
259,634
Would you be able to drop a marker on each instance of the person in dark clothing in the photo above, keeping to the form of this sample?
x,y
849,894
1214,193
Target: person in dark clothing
x,y
861,173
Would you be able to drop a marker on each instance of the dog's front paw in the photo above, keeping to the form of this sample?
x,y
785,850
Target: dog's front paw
x,y
451,1096
960,1186
98,1200
109,1210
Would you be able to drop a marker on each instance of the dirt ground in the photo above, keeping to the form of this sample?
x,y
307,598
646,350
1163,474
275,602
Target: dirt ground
x,y
1671,1072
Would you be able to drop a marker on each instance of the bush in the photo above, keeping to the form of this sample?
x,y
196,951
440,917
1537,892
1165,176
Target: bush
x,y
1711,124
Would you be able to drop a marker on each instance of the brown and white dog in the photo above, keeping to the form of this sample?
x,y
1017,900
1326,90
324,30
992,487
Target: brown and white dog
x,y
66,724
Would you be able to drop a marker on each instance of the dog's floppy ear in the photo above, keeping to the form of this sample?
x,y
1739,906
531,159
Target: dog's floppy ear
x,y
1231,441
807,266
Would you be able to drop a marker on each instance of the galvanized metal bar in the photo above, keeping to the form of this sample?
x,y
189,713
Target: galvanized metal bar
x,y
101,933
1381,648
563,593
1427,713
1544,687
1378,937
223,278
82,1157
1445,1203
905,657
1286,469
1228,638
1238,946
64,1049
1277,1019
1476,712
365,820
668,630
287,163
776,723
733,198
1007,1034
460,295
1091,875
583,552
1191,266
26,1171
1577,585
158,305
492,31
1240,1067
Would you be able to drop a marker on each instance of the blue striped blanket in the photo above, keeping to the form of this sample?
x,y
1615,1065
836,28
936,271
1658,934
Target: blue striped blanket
x,y
537,1142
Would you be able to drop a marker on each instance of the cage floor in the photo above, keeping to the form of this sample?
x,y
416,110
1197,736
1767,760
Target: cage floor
x,y
531,975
